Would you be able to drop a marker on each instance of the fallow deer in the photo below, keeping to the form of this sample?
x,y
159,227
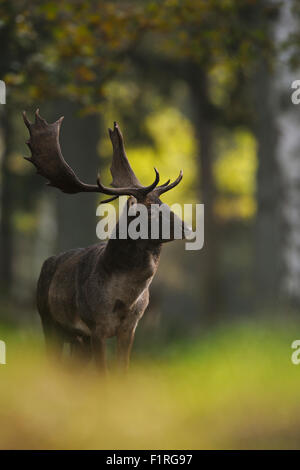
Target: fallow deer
x,y
87,295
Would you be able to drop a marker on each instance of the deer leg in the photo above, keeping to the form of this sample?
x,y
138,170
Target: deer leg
x,y
99,352
125,339
81,349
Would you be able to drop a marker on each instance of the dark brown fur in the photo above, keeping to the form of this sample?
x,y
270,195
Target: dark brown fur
x,y
87,295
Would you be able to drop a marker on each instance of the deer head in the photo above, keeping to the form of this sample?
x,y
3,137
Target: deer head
x,y
47,157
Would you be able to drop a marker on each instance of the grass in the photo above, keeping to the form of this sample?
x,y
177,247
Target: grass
x,y
236,388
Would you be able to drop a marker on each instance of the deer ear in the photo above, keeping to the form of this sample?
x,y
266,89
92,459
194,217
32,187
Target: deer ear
x,y
131,201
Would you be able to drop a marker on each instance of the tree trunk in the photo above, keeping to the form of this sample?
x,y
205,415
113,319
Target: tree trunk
x,y
267,226
209,255
76,213
288,121
6,229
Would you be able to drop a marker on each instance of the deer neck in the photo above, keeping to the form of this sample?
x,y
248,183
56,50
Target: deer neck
x,y
138,256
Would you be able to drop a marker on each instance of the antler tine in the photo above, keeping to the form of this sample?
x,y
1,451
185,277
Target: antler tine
x,y
136,192
163,185
109,199
148,189
26,120
164,188
38,118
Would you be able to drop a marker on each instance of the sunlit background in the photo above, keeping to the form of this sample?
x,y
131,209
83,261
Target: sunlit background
x,y
200,86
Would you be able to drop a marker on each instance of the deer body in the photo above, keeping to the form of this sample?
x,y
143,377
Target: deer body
x,y
96,292
87,295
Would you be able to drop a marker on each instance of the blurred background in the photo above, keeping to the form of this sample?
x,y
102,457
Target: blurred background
x,y
204,86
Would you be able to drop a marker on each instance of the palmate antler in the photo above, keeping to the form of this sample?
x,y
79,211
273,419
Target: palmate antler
x,y
47,157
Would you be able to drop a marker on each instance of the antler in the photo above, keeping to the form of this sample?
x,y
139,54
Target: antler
x,y
123,174
47,157
136,192
166,187
121,171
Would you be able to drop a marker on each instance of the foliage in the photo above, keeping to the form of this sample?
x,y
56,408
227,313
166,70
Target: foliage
x,y
216,30
71,49
67,49
236,388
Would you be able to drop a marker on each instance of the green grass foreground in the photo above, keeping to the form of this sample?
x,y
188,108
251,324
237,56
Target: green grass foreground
x,y
234,388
